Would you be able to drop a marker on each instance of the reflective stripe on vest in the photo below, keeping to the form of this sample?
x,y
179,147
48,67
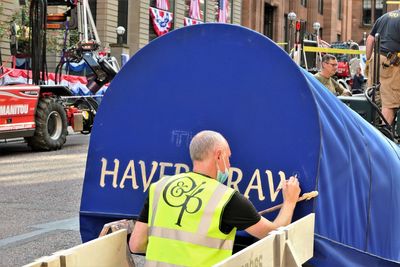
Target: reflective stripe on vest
x,y
189,208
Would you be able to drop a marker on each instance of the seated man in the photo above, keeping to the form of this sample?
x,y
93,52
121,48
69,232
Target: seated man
x,y
190,219
328,69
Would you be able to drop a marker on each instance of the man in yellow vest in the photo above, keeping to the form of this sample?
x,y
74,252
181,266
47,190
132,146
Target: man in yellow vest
x,y
190,219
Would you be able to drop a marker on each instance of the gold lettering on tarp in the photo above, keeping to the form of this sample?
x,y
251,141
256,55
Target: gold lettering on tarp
x,y
256,176
180,166
272,191
147,173
147,180
234,183
163,165
105,172
129,173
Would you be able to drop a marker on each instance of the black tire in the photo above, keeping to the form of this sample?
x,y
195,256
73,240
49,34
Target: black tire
x,y
51,126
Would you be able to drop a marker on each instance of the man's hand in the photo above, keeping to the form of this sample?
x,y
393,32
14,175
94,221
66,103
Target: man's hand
x,y
347,93
291,190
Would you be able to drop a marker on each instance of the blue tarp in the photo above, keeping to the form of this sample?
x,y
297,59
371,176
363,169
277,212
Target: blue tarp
x,y
278,120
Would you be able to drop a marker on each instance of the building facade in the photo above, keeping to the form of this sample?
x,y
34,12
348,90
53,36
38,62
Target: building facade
x,y
141,16
365,15
137,17
270,17
340,20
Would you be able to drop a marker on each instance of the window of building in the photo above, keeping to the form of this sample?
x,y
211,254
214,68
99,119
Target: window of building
x,y
93,9
338,37
195,9
366,12
378,9
372,10
123,18
268,20
303,3
321,7
340,15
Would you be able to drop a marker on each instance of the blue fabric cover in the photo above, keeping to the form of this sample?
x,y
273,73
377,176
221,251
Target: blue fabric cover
x,y
279,121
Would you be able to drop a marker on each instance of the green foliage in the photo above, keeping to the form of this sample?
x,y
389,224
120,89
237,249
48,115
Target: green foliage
x,y
21,18
1,15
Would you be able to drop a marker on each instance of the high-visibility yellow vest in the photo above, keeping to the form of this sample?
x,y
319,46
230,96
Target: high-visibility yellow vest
x,y
185,211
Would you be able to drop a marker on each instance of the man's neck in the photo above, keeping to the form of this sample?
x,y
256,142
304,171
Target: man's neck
x,y
324,74
204,168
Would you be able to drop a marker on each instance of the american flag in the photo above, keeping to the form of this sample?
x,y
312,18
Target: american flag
x,y
194,9
223,11
162,4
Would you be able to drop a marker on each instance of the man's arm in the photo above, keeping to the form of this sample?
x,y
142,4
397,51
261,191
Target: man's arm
x,y
291,192
139,238
369,46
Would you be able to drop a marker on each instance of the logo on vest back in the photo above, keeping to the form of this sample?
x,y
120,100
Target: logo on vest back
x,y
182,193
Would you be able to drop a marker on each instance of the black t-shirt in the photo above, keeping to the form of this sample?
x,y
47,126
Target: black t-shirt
x,y
388,26
239,212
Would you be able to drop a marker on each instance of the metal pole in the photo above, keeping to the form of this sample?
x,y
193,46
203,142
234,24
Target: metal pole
x,y
290,36
375,75
85,24
79,15
92,24
377,61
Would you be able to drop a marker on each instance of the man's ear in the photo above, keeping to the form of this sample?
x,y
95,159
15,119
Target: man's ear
x,y
218,153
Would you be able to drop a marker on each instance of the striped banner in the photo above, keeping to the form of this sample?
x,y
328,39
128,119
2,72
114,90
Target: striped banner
x,y
189,21
162,20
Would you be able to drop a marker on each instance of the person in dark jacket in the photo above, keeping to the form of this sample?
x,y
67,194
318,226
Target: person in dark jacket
x,y
358,82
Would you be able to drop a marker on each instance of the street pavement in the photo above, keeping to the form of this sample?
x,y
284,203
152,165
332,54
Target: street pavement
x,y
40,196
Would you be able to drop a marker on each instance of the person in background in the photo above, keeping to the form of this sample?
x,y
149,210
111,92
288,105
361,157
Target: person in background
x,y
388,27
329,66
190,219
358,81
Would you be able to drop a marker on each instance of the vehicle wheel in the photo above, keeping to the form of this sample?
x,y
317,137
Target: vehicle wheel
x,y
51,126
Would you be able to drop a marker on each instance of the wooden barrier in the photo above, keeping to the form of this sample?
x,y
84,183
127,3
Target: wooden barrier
x,y
289,246
108,251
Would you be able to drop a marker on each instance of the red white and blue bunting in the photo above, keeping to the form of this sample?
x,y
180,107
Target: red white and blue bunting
x,y
162,20
189,21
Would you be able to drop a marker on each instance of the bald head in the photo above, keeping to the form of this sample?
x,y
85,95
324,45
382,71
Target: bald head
x,y
204,143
